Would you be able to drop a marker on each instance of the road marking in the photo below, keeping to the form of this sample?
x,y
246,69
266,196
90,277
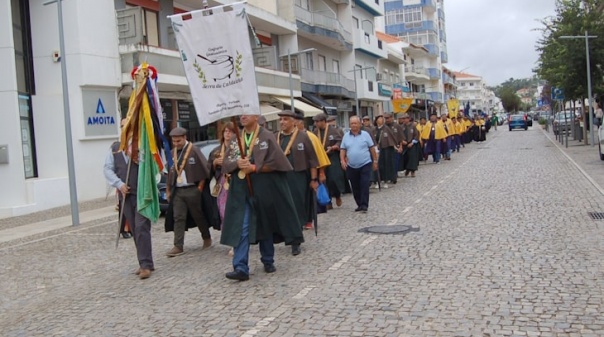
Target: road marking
x,y
303,293
368,241
426,194
587,176
265,322
418,200
435,186
407,209
440,182
339,264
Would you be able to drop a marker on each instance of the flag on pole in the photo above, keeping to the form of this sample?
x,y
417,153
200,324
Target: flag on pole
x,y
453,107
401,105
217,56
141,139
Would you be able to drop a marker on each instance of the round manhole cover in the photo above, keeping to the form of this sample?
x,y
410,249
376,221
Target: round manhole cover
x,y
385,229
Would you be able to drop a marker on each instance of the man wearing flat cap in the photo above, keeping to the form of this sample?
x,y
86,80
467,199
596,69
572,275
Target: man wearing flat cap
x,y
186,180
331,139
299,151
411,146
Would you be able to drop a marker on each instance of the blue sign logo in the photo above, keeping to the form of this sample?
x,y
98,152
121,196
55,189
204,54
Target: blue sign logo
x,y
557,94
100,120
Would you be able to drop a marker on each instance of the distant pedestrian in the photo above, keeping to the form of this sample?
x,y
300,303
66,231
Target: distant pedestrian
x,y
358,158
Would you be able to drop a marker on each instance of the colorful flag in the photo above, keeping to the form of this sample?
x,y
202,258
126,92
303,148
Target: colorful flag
x,y
140,140
453,107
401,105
218,61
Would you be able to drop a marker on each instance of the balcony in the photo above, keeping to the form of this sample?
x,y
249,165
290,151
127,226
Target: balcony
x,y
435,96
326,83
369,44
429,6
433,49
133,51
374,7
444,57
368,90
441,14
412,27
434,74
414,73
448,80
323,29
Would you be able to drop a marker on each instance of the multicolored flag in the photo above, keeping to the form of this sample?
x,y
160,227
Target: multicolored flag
x,y
141,139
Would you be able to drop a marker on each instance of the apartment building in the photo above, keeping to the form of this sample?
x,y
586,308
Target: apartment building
x,y
473,89
422,23
104,40
391,69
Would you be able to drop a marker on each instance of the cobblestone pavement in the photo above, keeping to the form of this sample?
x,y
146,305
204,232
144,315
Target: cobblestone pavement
x,y
505,247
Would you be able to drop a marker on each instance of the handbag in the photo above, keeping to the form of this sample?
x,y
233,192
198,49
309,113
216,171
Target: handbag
x,y
215,187
322,195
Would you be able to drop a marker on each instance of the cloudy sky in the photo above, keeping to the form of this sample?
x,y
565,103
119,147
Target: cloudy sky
x,y
494,39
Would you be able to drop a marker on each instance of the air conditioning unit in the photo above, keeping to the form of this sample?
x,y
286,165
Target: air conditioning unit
x,y
378,77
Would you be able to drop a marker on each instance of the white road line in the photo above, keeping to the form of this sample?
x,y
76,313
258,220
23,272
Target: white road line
x,y
435,186
418,200
587,176
264,322
368,241
440,182
303,293
407,209
339,264
427,193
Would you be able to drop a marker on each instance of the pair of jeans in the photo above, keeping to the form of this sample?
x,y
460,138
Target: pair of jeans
x,y
360,179
242,251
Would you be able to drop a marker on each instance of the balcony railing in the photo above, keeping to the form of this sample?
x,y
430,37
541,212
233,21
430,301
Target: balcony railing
x,y
266,57
434,73
327,78
320,20
416,70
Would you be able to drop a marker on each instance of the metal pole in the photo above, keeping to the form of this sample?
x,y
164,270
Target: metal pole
x,y
75,217
291,89
591,120
356,94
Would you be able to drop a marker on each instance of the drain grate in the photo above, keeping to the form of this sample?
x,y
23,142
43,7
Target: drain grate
x,y
386,229
597,215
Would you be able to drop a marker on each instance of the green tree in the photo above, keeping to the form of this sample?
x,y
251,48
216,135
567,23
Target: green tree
x,y
509,99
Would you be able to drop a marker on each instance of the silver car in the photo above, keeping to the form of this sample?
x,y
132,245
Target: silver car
x,y
563,121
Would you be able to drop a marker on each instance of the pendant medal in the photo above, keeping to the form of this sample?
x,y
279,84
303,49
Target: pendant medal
x,y
241,174
179,180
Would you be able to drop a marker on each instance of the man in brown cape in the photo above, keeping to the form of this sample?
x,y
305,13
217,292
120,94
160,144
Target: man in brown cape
x,y
299,151
331,137
186,180
264,214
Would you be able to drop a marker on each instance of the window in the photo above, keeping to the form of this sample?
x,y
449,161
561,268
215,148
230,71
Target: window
x,y
322,63
336,66
358,70
309,64
25,83
355,22
471,84
150,28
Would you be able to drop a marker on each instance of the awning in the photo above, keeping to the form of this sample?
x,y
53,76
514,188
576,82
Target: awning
x,y
307,109
318,101
269,112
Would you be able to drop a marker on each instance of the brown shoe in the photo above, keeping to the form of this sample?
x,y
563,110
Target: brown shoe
x,y
145,273
338,201
175,251
138,271
329,206
207,243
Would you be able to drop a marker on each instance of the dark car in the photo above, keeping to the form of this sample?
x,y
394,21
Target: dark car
x,y
517,122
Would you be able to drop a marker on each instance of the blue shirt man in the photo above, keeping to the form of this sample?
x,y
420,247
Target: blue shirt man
x,y
358,157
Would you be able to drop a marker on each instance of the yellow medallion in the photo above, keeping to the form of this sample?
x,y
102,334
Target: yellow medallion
x,y
241,174
179,180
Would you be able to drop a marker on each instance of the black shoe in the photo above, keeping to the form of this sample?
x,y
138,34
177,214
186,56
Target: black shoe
x,y
126,235
237,275
358,209
364,209
270,268
296,250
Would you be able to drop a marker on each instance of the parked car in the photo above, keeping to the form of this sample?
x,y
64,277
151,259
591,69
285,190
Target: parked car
x,y
517,122
563,121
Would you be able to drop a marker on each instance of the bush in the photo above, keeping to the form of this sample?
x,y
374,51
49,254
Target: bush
x,y
542,121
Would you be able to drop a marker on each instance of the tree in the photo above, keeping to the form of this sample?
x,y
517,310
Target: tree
x,y
509,99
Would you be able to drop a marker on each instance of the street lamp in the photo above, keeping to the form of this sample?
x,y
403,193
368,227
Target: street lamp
x,y
356,92
589,99
73,192
289,66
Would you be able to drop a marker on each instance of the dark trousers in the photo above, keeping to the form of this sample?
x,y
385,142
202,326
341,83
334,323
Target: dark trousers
x,y
140,227
360,180
188,200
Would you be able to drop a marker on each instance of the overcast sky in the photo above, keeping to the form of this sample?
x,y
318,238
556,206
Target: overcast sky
x,y
494,39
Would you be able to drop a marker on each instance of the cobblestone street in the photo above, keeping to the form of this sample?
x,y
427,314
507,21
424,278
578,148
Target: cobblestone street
x,y
504,246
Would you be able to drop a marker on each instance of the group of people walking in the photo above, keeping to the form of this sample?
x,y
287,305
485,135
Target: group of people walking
x,y
260,188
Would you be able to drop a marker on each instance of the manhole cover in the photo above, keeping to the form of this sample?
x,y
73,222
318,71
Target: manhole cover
x,y
386,229
597,215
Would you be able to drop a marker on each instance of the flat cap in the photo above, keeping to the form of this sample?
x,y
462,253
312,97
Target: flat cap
x,y
320,117
387,114
331,118
261,120
403,115
286,113
178,131
299,116
366,118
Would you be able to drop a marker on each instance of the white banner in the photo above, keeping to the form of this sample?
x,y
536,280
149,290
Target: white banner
x,y
218,61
